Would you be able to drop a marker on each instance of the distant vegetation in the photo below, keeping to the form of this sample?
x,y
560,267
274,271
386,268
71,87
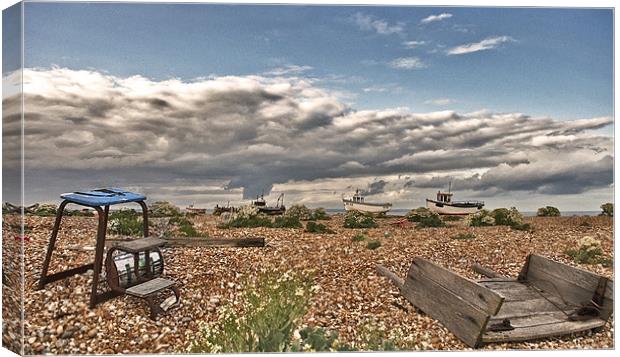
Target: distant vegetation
x,y
164,209
184,227
589,251
425,218
373,244
608,209
314,227
498,217
463,236
125,222
359,237
548,211
356,219
249,217
304,213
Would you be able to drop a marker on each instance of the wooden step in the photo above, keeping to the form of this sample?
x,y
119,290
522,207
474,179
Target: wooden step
x,y
147,288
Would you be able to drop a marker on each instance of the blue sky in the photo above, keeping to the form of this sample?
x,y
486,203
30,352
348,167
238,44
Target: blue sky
x,y
552,62
208,104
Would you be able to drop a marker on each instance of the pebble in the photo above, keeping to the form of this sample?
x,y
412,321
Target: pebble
x,y
92,333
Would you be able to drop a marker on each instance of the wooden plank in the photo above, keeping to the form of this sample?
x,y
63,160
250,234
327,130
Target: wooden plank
x,y
216,242
140,244
540,326
398,281
472,292
519,291
573,285
489,273
149,287
510,309
464,320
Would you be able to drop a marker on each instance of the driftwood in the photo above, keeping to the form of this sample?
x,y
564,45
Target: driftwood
x,y
207,242
547,299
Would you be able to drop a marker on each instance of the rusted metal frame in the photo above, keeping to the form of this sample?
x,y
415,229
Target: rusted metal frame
x,y
101,231
50,248
66,273
145,218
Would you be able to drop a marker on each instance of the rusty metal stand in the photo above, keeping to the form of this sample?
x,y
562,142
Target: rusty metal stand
x,y
95,297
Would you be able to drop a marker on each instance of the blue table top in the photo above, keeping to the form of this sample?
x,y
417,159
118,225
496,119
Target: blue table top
x,y
103,197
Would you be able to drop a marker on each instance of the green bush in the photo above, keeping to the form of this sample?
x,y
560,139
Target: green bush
x,y
373,244
164,209
356,219
320,214
417,214
286,222
300,212
249,222
185,227
359,237
589,251
548,211
126,222
46,210
270,312
498,217
432,220
608,209
452,218
314,227
463,236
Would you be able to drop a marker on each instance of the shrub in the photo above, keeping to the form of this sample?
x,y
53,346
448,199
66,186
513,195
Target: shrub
x,y
45,210
314,227
164,209
608,209
125,222
452,218
320,214
498,217
266,321
286,222
415,215
463,236
433,220
373,244
316,339
589,251
185,227
359,237
301,212
548,211
356,219
247,217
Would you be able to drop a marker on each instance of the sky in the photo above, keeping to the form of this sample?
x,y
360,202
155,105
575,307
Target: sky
x,y
214,103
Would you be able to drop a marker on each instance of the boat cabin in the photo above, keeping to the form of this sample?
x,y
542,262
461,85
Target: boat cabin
x,y
260,201
444,197
357,197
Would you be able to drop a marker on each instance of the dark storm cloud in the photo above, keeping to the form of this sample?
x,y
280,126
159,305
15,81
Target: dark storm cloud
x,y
375,187
256,131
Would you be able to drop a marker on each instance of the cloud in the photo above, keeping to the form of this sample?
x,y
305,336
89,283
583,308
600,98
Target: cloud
x,y
439,101
488,43
434,18
407,63
413,44
288,69
370,23
254,134
375,188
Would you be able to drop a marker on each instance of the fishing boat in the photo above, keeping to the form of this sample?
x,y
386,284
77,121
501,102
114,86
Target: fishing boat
x,y
218,210
194,210
444,205
357,203
261,204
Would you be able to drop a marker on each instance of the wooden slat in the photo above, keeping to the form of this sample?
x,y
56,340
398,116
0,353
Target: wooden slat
x,y
216,242
532,306
519,291
540,326
489,273
470,291
464,320
149,287
140,245
573,285
398,281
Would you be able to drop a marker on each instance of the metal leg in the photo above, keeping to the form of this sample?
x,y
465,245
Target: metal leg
x,y
101,229
145,217
52,243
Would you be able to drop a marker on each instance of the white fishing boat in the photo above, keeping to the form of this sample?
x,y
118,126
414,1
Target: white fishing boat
x,y
357,203
444,205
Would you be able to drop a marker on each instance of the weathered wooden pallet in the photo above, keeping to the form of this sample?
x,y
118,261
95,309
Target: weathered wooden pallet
x,y
546,299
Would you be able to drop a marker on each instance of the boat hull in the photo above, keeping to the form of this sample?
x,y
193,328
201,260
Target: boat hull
x,y
366,207
450,209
